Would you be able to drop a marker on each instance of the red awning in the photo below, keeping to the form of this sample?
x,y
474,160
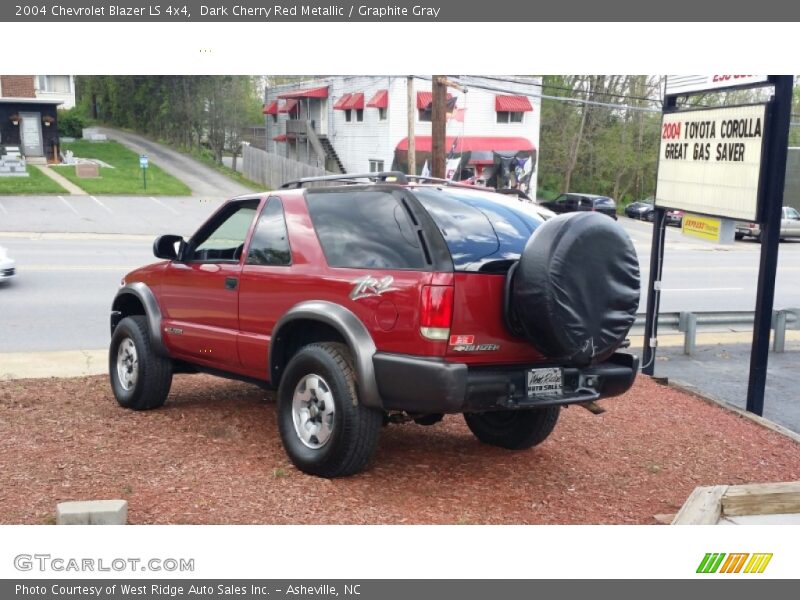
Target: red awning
x,y
318,92
271,108
472,144
512,104
341,102
355,102
289,106
425,98
379,100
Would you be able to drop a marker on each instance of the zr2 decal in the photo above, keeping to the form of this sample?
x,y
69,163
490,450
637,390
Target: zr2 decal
x,y
371,286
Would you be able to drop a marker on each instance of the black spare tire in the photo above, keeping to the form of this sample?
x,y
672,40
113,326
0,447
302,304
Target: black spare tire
x,y
575,291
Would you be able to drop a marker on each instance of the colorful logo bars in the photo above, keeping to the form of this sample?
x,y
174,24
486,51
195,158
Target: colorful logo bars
x,y
719,562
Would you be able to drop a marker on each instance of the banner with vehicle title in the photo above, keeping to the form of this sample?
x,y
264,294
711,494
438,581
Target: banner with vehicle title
x,y
710,161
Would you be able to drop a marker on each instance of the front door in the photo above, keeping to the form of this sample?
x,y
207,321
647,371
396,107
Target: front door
x,y
200,292
31,134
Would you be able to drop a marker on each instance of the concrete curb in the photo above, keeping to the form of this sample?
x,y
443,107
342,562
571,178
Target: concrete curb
x,y
44,365
710,399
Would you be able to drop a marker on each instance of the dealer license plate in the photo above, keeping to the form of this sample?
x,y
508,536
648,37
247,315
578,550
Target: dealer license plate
x,y
545,382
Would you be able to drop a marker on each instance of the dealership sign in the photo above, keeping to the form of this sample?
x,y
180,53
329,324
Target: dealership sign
x,y
710,161
684,84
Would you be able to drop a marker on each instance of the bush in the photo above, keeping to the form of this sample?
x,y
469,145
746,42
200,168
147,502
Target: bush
x,y
70,123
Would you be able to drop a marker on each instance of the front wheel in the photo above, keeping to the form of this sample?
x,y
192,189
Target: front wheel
x,y
324,428
140,377
513,429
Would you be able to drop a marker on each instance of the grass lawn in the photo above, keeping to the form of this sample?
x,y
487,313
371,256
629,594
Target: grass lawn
x,y
126,176
37,183
208,160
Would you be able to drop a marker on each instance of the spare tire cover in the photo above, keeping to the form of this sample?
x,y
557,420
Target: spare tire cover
x,y
575,291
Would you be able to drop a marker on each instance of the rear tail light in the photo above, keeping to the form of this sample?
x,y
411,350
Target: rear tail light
x,y
436,311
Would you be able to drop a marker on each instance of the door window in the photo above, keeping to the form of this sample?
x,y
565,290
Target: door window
x,y
269,245
224,240
791,214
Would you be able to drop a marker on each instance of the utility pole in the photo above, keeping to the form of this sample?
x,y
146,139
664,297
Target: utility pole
x,y
412,117
438,126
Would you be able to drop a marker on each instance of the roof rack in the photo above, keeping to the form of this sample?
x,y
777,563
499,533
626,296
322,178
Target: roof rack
x,y
349,178
379,177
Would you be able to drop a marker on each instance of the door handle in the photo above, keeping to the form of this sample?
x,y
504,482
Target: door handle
x,y
231,283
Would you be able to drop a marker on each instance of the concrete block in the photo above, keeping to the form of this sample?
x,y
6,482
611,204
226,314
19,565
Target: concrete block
x,y
92,512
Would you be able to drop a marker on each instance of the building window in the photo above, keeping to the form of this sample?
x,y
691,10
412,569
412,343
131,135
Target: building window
x,y
425,116
510,117
381,114
58,84
375,166
348,115
359,114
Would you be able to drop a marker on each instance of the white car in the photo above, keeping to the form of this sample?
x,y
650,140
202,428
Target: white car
x,y
790,226
7,266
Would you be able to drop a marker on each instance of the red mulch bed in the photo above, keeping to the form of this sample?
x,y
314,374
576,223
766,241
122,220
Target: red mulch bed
x,y
212,455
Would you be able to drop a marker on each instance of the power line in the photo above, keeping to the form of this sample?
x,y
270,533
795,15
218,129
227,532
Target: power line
x,y
548,97
565,89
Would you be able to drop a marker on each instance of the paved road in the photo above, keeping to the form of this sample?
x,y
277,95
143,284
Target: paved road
x,y
203,181
147,215
703,277
62,296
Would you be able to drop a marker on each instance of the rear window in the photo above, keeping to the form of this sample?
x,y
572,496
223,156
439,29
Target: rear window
x,y
365,230
604,202
485,232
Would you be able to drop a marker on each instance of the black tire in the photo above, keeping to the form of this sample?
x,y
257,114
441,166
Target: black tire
x,y
354,428
575,291
513,429
738,236
153,373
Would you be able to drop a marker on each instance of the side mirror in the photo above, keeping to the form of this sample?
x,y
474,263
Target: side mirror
x,y
168,247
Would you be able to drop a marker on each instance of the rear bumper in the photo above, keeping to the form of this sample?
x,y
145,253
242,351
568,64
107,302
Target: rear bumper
x,y
418,385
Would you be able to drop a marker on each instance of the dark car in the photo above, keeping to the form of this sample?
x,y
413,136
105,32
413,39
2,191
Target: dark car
x,y
366,300
573,202
642,210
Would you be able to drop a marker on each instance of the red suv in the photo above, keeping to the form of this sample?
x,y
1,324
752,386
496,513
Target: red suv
x,y
371,299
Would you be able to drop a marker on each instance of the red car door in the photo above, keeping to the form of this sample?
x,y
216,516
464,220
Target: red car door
x,y
200,292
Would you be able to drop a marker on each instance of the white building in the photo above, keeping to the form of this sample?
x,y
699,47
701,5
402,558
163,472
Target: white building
x,y
56,88
359,124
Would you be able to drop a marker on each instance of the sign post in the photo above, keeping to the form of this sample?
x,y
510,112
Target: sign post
x,y
725,162
143,164
777,138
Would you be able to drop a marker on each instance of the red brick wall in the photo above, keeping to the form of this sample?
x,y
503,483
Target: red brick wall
x,y
17,86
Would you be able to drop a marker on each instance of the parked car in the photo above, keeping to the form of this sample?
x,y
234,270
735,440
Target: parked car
x,y
379,299
573,202
640,210
790,226
8,268
674,217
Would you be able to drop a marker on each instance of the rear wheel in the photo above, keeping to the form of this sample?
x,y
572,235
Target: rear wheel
x,y
738,235
325,430
513,429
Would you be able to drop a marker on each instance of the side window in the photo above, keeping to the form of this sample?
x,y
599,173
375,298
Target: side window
x,y
269,245
365,230
224,243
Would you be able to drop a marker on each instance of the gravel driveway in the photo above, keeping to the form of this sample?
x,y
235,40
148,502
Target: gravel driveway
x,y
213,455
